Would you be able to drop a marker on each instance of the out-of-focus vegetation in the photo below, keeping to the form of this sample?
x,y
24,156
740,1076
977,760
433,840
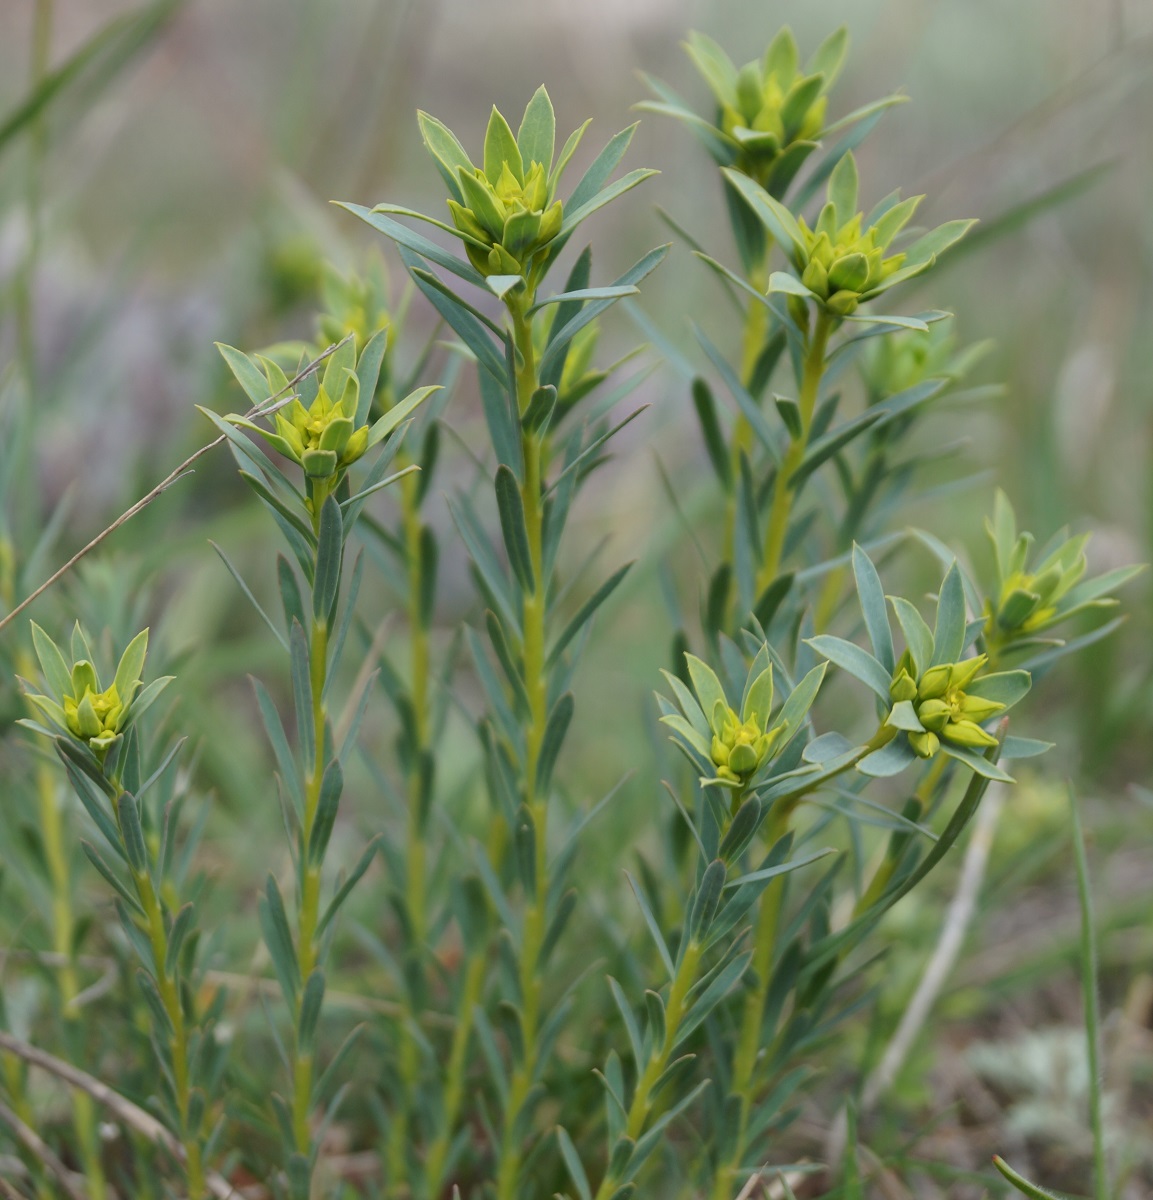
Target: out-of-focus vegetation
x,y
175,191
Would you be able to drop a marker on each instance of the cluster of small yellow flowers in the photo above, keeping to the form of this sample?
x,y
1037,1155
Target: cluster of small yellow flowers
x,y
739,748
943,707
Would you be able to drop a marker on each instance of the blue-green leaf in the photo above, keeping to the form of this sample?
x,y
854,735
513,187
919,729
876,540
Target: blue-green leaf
x,y
859,663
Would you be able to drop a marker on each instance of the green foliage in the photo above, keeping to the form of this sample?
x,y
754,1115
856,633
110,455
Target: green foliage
x,y
438,874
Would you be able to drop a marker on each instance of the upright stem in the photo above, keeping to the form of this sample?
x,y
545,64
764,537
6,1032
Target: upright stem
x,y
641,1106
746,1055
536,685
418,688
308,912
178,1042
778,525
455,1074
408,1064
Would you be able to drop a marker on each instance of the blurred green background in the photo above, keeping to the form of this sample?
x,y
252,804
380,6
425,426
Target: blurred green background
x,y
184,200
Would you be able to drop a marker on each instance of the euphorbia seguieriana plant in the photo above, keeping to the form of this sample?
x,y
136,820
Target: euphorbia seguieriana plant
x,y
737,958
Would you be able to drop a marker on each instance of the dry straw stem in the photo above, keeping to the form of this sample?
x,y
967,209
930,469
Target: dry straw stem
x,y
264,409
36,1146
124,1110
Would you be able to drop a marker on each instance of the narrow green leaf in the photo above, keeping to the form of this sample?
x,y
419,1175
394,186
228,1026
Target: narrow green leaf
x,y
573,1163
342,892
449,155
586,611
110,877
276,633
949,631
302,693
329,556
918,635
310,1004
56,670
628,1019
561,336
247,373
181,927
132,834
554,734
873,608
499,148
331,787
536,137
512,524
975,761
403,236
706,409
707,900
539,412
653,926
859,663
890,760
843,188
776,218
278,939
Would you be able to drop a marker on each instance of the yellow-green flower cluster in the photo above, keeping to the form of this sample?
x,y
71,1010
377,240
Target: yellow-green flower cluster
x,y
771,105
728,745
770,113
943,707
509,218
844,259
844,262
323,437
740,748
92,715
77,705
506,211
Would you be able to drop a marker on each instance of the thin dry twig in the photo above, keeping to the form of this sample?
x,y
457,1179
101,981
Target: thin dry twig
x,y
38,1148
123,1109
264,409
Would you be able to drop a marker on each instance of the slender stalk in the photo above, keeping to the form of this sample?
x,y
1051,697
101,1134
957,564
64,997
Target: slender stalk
x,y
308,911
455,1072
64,944
178,1041
536,685
640,1108
1101,1190
746,1055
781,509
169,991
408,1064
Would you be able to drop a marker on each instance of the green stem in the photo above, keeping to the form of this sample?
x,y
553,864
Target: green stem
x,y
642,1102
408,1056
746,1056
778,524
308,912
64,944
1101,1189
178,1042
536,685
455,1076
